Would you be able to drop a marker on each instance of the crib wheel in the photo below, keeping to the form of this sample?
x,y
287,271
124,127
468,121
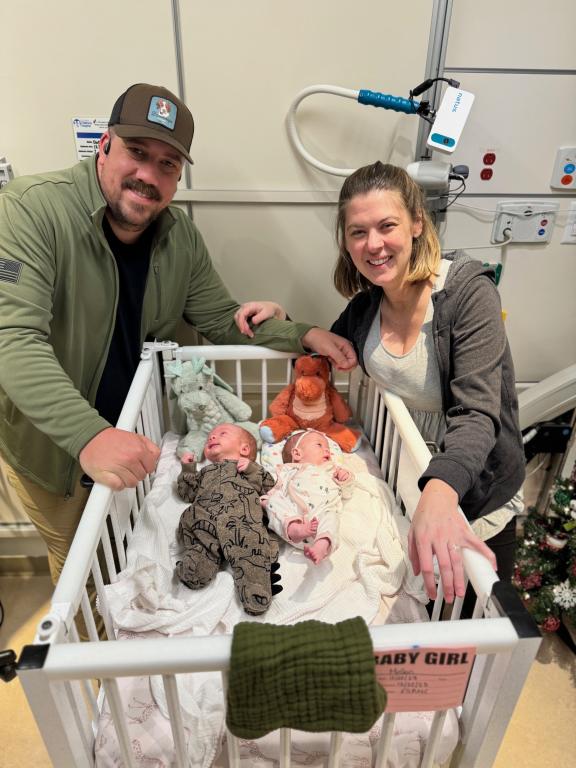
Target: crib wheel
x,y
7,665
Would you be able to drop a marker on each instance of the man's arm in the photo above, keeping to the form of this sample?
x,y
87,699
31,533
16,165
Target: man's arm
x,y
31,375
210,308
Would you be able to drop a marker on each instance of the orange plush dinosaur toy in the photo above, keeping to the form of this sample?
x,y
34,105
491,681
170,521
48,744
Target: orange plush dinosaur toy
x,y
311,402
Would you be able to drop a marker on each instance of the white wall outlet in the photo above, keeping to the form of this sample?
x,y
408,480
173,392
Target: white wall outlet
x,y
569,234
564,172
524,221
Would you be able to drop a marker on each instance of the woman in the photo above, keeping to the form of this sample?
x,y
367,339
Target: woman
x,y
429,328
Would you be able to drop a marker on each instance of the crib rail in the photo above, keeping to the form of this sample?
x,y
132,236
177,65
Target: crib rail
x,y
58,671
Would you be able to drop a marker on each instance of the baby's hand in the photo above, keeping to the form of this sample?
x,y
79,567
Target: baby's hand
x,y
242,464
188,458
341,474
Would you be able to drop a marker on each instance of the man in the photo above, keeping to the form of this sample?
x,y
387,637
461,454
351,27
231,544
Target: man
x,y
93,261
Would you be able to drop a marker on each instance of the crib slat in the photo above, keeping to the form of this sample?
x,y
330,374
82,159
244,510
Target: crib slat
x,y
88,616
438,603
371,396
176,723
335,749
108,556
72,693
264,388
239,379
477,686
110,685
385,740
117,529
433,739
393,471
385,450
285,741
232,745
374,423
457,605
102,602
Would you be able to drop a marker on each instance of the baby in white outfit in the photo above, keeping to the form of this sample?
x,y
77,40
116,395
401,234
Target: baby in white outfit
x,y
304,505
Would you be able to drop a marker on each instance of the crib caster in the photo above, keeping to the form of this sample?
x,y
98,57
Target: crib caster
x,y
7,665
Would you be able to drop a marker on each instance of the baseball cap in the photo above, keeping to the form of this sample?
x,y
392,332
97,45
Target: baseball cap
x,y
146,111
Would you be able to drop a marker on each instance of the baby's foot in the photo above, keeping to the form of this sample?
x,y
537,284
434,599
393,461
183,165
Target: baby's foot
x,y
297,532
318,551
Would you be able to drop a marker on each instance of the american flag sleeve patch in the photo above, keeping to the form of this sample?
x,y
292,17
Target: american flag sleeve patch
x,y
10,271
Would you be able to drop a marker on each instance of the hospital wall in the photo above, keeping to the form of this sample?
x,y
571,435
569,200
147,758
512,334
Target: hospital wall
x,y
266,215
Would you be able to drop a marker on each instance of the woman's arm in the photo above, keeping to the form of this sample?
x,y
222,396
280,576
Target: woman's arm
x,y
477,347
438,528
478,344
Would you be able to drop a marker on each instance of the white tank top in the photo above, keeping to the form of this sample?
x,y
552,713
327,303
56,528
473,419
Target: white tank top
x,y
414,376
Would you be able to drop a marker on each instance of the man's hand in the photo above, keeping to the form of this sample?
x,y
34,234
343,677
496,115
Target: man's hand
x,y
257,312
337,349
118,459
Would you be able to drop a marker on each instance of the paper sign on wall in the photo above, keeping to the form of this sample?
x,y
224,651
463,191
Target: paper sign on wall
x,y
422,679
87,133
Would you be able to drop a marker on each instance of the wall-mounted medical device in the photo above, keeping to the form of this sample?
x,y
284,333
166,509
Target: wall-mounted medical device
x,y
446,128
450,119
524,221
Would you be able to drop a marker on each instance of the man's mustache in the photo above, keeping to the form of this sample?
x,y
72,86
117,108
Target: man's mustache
x,y
148,190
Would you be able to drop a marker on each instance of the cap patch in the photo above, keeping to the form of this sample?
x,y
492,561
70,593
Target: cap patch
x,y
162,111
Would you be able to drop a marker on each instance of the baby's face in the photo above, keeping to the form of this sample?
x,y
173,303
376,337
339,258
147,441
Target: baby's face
x,y
224,442
314,449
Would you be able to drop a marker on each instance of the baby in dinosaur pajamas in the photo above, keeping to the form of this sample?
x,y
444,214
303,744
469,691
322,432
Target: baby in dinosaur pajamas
x,y
225,520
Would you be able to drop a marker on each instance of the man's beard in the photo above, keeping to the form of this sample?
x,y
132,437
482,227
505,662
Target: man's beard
x,y
122,213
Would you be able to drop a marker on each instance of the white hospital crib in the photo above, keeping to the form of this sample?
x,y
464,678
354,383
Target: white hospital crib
x,y
67,681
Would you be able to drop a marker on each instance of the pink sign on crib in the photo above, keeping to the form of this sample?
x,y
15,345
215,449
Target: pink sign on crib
x,y
424,679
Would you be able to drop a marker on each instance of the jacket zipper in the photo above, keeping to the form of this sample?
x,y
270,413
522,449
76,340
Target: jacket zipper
x,y
69,486
156,268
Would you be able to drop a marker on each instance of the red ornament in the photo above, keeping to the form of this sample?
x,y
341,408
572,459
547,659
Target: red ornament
x,y
532,580
550,624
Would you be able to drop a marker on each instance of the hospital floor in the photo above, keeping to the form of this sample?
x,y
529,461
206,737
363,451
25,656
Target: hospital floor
x,y
541,732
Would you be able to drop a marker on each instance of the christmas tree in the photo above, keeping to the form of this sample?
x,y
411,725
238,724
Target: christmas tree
x,y
545,572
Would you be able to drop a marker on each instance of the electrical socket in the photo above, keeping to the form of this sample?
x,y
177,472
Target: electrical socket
x,y
524,221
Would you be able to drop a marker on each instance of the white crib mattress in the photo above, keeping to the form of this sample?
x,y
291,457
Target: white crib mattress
x,y
367,576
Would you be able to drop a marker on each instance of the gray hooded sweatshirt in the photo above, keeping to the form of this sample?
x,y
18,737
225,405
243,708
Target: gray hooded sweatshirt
x,y
482,455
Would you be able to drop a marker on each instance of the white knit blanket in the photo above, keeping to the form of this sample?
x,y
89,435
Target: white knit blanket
x,y
370,562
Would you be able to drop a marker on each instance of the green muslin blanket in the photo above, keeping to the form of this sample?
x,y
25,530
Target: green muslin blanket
x,y
310,676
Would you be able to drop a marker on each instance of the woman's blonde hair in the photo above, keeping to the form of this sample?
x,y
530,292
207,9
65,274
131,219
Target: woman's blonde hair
x,y
425,258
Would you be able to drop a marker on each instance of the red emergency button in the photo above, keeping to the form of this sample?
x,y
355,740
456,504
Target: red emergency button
x,y
567,180
486,173
489,158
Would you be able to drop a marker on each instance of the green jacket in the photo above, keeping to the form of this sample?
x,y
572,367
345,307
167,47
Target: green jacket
x,y
58,296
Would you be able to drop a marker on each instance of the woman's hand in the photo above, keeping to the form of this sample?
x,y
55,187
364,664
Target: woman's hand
x,y
257,312
439,528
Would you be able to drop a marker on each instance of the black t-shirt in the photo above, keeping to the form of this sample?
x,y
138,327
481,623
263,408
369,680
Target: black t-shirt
x,y
133,261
